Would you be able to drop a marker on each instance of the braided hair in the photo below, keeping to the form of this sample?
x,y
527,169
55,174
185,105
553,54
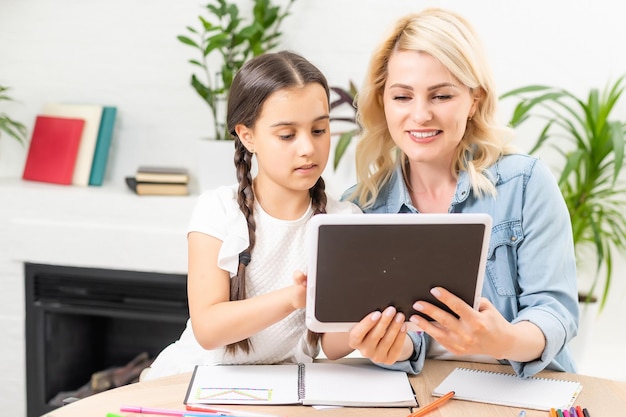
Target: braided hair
x,y
253,84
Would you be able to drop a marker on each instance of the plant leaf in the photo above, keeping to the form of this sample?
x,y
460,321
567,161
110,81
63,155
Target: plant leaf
x,y
342,145
187,41
590,173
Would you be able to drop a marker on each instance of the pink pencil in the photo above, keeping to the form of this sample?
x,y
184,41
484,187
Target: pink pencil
x,y
163,412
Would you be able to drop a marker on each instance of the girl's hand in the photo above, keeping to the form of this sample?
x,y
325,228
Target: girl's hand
x,y
298,299
382,337
483,332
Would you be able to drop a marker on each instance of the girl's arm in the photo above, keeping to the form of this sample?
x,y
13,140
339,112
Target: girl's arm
x,y
217,321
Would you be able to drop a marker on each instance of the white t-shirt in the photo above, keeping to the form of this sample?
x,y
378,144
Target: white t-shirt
x,y
280,249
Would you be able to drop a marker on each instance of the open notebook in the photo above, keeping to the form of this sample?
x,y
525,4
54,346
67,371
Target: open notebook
x,y
508,389
351,385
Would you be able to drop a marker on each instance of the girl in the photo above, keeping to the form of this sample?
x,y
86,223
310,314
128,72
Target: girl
x,y
247,242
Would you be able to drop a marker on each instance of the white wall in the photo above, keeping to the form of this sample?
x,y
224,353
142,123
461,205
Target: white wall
x,y
125,53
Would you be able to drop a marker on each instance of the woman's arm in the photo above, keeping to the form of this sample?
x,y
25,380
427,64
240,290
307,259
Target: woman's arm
x,y
545,304
546,267
217,321
482,332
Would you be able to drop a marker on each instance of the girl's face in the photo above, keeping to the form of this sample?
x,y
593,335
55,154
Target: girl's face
x,y
291,137
426,107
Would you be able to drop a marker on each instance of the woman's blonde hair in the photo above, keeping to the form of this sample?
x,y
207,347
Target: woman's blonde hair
x,y
451,40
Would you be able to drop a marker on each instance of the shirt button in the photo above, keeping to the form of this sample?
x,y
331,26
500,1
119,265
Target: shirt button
x,y
513,238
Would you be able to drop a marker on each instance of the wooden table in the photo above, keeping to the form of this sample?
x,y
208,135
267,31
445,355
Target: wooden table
x,y
602,397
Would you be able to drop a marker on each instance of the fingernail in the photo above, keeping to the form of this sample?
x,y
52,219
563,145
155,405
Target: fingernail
x,y
390,311
435,292
403,328
376,315
418,306
399,318
414,319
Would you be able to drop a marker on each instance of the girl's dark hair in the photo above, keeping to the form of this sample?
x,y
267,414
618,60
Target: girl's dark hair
x,y
253,84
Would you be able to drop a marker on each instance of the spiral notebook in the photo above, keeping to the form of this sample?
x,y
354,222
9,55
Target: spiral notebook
x,y
358,385
508,389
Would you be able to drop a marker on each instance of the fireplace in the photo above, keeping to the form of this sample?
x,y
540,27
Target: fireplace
x,y
80,321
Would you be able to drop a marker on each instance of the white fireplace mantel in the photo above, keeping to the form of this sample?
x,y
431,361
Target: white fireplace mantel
x,y
101,227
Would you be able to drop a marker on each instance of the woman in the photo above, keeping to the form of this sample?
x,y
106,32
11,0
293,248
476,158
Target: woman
x,y
430,144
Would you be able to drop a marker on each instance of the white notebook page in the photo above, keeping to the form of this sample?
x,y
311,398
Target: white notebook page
x,y
366,384
508,389
254,385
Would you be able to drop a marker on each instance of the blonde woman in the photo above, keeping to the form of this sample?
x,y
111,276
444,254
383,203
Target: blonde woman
x,y
431,144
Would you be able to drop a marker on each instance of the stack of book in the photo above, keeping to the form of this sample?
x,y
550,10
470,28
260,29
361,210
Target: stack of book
x,y
159,180
70,144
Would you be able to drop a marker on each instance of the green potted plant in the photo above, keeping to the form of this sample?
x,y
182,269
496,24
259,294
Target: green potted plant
x,y
224,33
11,127
591,176
346,99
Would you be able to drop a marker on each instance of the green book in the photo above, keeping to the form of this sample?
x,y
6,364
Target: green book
x,y
103,145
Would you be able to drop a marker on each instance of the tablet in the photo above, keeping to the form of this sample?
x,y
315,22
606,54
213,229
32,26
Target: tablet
x,y
359,263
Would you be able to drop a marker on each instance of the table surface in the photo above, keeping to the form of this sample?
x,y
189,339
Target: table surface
x,y
602,397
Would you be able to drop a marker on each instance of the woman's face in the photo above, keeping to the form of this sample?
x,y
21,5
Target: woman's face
x,y
291,137
426,107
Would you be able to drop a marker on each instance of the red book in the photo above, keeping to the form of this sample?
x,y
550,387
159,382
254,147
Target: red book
x,y
53,149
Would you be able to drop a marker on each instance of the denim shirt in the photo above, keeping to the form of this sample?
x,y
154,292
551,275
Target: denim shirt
x,y
531,268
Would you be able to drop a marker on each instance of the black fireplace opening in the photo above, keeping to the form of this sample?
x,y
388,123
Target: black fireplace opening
x,y
86,321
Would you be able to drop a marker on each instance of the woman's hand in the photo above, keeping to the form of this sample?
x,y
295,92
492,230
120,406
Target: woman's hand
x,y
382,337
484,331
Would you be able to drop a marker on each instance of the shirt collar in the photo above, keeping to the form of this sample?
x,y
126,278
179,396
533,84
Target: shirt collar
x,y
463,188
398,199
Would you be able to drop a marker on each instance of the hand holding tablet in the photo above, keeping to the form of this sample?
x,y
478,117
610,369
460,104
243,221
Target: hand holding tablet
x,y
362,263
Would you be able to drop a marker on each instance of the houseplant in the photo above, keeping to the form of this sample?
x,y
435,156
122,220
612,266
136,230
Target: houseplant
x,y
346,99
11,127
591,176
225,34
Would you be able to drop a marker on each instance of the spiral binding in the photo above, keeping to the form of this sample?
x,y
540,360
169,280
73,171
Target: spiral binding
x,y
301,387
481,371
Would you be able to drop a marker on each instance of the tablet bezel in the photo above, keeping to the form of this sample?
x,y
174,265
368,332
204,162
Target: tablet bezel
x,y
318,221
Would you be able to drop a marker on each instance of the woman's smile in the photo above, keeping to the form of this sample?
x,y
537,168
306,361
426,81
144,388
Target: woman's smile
x,y
424,136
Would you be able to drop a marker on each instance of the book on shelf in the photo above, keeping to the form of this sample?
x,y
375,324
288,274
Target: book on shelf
x,y
333,384
53,149
103,145
162,174
91,114
157,188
